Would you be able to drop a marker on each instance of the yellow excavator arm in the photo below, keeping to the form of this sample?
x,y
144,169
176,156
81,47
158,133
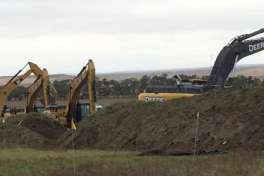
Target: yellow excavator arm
x,y
86,76
41,83
91,86
35,69
15,81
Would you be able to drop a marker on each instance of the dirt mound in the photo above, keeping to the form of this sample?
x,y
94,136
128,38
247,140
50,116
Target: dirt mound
x,y
229,120
31,130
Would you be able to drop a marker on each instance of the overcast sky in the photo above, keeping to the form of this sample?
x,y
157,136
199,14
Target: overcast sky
x,y
122,35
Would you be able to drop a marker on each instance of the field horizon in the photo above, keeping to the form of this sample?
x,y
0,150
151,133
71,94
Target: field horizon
x,y
245,70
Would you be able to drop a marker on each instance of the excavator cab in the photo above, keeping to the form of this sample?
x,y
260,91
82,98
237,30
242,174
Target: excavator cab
x,y
75,110
82,111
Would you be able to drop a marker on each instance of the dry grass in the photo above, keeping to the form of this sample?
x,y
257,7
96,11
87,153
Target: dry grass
x,y
31,162
227,165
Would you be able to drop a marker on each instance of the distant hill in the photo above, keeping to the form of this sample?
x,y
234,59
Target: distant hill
x,y
246,70
29,80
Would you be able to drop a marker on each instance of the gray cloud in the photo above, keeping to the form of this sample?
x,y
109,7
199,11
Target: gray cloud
x,y
122,34
124,16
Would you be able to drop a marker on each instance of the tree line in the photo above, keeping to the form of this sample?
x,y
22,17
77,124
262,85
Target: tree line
x,y
134,86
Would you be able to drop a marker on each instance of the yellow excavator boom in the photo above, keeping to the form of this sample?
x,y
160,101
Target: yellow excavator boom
x,y
86,76
91,86
15,81
9,87
32,92
35,69
41,83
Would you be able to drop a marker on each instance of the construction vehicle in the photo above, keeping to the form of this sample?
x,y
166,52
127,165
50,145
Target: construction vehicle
x,y
75,110
15,81
238,48
184,88
42,84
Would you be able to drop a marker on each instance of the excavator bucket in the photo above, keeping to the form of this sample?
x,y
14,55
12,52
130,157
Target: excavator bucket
x,y
73,126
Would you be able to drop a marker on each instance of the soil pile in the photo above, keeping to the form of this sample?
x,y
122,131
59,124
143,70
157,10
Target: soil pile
x,y
32,130
228,120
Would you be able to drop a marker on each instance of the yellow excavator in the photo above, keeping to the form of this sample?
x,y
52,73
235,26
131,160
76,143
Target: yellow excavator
x,y
74,109
15,81
42,84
